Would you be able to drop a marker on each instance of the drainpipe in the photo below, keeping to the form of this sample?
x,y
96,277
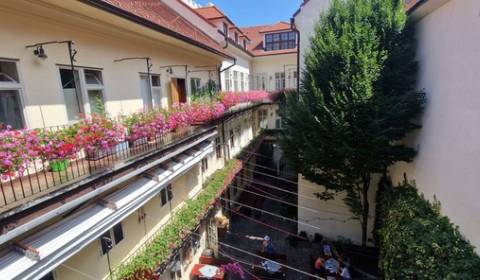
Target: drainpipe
x,y
223,70
294,28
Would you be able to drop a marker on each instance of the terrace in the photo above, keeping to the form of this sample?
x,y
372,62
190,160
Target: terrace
x,y
52,172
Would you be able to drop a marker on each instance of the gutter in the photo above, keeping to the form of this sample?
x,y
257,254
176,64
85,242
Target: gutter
x,y
294,28
142,21
87,197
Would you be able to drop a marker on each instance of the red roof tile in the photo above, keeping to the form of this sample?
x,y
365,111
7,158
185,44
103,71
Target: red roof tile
x,y
256,34
210,12
158,13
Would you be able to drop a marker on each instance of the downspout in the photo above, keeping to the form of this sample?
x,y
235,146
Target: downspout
x,y
294,28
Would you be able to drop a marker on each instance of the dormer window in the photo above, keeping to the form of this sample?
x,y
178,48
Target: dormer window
x,y
236,37
225,29
280,41
245,44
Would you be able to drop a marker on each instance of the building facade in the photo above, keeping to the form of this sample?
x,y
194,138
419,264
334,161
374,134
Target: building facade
x,y
62,60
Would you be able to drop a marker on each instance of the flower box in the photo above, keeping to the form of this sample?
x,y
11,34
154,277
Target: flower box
x,y
138,142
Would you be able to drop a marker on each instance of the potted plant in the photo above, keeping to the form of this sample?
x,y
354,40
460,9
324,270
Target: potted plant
x,y
59,147
17,149
99,136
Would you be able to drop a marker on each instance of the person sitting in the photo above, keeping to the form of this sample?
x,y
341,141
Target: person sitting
x,y
344,273
267,246
319,267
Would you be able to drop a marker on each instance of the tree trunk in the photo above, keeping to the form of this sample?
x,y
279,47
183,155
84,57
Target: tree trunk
x,y
365,204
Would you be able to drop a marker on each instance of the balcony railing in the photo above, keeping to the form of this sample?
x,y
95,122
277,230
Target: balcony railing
x,y
41,177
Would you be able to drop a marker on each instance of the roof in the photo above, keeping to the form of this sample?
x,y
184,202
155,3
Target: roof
x,y
211,12
157,15
256,35
54,244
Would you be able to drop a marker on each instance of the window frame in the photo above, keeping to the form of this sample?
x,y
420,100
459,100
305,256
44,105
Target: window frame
x,y
18,86
280,41
113,238
84,88
198,87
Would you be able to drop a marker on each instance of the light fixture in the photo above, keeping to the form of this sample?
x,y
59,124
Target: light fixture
x,y
40,52
170,70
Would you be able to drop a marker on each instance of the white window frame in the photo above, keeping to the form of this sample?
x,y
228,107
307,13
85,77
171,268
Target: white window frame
x,y
18,86
198,84
235,80
84,88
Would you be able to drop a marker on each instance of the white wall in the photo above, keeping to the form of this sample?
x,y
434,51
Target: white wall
x,y
98,44
305,22
267,66
447,165
333,219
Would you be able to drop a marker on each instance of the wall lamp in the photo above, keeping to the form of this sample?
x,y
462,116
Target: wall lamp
x,y
169,68
39,51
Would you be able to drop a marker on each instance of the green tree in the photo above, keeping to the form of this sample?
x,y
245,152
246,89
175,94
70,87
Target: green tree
x,y
356,102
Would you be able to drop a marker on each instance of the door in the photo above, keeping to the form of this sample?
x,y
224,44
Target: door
x,y
178,91
182,90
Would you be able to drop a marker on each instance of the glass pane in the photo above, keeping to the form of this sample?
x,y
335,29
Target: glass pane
x,y
276,46
97,105
157,96
291,44
118,233
93,77
276,37
67,78
284,36
284,45
155,80
10,109
8,72
291,35
268,38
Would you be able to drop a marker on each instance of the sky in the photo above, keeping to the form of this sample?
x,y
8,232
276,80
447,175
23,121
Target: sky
x,y
256,12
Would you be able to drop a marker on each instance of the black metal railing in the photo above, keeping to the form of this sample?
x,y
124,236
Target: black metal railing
x,y
40,176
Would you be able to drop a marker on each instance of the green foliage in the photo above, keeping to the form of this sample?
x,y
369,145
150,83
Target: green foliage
x,y
357,99
417,242
184,220
207,93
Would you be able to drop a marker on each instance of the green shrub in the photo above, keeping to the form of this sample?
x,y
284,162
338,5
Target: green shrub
x,y
417,242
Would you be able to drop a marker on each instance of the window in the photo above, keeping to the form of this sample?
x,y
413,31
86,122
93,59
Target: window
x,y
228,81
204,164
94,87
106,240
235,80
195,85
279,80
72,93
163,196
236,37
242,82
156,90
262,118
232,138
225,29
245,44
280,41
48,276
218,148
72,87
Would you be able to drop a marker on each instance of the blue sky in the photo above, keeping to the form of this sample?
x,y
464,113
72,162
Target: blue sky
x,y
256,12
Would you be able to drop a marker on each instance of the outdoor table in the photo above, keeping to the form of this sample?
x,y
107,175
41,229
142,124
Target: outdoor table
x,y
205,271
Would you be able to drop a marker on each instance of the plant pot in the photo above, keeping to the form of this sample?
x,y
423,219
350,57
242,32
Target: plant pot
x,y
59,165
100,153
138,142
122,147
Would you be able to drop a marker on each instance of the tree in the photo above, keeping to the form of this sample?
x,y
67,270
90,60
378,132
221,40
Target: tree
x,y
357,100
